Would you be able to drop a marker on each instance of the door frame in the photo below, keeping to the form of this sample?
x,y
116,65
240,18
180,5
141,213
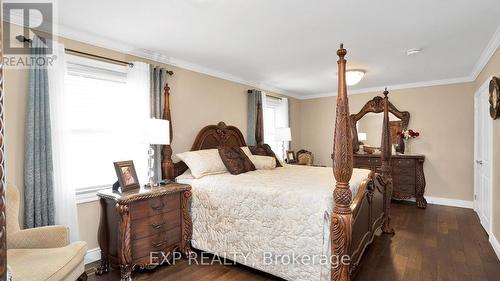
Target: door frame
x,y
489,127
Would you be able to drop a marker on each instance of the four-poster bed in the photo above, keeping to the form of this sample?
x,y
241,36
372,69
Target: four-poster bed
x,y
356,215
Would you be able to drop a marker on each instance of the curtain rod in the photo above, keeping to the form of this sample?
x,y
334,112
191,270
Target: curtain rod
x,y
23,39
267,95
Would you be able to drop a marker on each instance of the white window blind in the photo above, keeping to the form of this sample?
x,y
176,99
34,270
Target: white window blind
x,y
275,116
103,122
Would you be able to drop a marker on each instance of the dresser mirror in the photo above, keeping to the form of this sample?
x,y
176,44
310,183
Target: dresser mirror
x,y
367,126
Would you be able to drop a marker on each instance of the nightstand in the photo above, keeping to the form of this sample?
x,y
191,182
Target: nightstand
x,y
138,228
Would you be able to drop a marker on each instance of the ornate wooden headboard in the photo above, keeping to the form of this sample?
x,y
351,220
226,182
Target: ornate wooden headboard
x,y
211,136
214,136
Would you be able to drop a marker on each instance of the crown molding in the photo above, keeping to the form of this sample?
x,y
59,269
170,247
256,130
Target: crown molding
x,y
158,57
487,53
102,42
466,79
99,41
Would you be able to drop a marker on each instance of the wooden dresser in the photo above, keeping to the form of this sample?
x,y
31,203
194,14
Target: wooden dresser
x,y
407,174
138,228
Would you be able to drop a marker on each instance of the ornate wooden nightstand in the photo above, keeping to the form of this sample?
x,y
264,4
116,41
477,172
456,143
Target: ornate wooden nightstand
x,y
139,224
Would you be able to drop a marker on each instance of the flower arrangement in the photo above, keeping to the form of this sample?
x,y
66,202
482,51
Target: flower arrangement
x,y
408,134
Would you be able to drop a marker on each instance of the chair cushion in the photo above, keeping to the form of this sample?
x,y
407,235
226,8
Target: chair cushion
x,y
46,264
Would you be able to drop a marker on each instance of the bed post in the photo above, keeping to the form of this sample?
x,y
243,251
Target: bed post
x,y
259,126
386,168
167,165
341,227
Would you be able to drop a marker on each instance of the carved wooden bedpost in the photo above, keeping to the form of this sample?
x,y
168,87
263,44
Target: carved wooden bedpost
x,y
167,165
259,126
3,222
386,169
341,227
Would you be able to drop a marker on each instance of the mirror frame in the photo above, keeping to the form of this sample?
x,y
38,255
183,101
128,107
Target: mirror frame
x,y
376,105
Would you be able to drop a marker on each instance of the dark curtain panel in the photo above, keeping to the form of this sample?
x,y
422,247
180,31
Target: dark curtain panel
x,y
255,116
38,166
158,79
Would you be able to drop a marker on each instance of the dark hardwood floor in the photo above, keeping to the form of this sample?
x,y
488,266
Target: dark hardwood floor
x,y
438,243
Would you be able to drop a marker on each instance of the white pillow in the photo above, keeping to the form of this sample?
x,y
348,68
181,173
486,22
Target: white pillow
x,y
185,178
263,162
246,150
203,162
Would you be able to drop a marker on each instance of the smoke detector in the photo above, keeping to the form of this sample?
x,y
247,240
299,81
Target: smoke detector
x,y
412,52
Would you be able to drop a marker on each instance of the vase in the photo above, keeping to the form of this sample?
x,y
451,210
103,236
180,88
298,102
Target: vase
x,y
407,146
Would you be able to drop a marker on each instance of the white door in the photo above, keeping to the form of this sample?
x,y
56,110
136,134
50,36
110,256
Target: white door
x,y
482,156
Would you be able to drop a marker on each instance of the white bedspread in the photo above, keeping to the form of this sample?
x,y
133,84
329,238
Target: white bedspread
x,y
264,216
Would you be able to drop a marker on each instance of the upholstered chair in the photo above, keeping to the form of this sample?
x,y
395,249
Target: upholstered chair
x,y
42,253
305,157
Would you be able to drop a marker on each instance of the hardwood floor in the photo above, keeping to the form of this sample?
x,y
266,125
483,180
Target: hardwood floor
x,y
438,243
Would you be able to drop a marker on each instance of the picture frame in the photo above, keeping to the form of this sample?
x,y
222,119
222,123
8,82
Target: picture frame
x,y
127,176
290,156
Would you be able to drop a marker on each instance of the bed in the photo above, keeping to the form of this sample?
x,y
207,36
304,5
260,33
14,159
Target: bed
x,y
292,210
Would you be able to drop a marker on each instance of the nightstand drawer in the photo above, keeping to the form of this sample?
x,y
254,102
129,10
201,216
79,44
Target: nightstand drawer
x,y
155,243
154,206
156,224
404,163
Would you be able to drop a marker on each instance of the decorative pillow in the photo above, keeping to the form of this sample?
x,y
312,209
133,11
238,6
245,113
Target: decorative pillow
x,y
264,150
263,162
236,160
203,162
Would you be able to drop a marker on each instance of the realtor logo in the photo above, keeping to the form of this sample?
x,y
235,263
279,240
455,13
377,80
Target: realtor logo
x,y
27,20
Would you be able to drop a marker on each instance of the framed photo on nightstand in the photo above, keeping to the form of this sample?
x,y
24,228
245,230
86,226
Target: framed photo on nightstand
x,y
127,176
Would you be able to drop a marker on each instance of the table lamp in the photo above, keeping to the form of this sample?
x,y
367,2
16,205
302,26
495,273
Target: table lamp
x,y
283,135
157,132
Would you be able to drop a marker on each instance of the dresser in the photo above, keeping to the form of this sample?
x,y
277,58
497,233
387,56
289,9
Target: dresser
x,y
143,228
407,174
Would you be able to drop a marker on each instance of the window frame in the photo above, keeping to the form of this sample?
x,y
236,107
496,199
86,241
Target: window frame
x,y
111,72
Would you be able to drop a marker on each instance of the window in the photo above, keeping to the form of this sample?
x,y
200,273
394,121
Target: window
x,y
102,123
275,116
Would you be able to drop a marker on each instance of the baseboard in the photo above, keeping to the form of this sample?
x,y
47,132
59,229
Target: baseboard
x,y
496,246
447,202
450,202
92,255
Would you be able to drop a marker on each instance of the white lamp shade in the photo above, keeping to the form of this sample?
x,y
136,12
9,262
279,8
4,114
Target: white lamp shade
x,y
362,136
157,131
283,134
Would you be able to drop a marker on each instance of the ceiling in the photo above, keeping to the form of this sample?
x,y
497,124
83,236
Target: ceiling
x,y
289,46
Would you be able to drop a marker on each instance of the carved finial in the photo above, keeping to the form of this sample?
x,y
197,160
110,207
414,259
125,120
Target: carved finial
x,y
341,52
167,90
386,92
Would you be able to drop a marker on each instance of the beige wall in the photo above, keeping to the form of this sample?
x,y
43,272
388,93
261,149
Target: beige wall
x,y
197,100
445,117
442,114
493,69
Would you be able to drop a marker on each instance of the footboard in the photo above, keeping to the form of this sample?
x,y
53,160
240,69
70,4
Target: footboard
x,y
367,210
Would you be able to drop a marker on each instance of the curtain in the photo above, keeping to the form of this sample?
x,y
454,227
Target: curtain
x,y
65,209
157,83
256,104
38,165
138,91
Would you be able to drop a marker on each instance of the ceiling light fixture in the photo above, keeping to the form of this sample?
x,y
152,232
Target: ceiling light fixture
x,y
353,77
413,51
